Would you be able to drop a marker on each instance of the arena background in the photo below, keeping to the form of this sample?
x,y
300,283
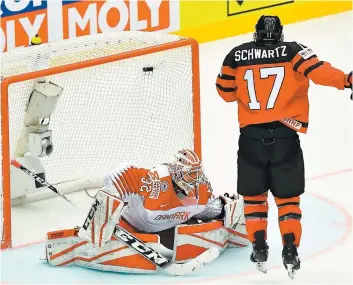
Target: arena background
x,y
327,204
202,20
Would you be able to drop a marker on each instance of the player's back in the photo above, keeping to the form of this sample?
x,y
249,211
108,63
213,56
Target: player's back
x,y
268,83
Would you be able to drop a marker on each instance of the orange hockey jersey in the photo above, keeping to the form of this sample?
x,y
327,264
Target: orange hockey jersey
x,y
270,83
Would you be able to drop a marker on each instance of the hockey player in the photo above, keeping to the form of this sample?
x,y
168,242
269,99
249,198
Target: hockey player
x,y
269,79
170,206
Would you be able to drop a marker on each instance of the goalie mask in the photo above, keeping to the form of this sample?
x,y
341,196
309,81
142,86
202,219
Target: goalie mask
x,y
187,174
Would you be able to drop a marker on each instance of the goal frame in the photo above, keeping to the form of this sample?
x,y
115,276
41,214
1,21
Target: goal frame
x,y
6,241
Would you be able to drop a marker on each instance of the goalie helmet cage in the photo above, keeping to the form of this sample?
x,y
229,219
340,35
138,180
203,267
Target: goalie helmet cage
x,y
127,97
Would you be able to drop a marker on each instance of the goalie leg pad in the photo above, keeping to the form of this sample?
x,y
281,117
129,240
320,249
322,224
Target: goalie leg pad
x,y
65,248
192,240
238,236
102,218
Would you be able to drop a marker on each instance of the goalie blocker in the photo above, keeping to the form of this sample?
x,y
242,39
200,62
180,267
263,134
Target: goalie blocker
x,y
96,244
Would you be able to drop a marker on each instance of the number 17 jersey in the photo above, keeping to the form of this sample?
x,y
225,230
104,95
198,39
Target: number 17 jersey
x,y
270,83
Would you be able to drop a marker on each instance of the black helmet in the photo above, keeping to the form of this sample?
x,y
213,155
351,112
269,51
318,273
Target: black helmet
x,y
268,30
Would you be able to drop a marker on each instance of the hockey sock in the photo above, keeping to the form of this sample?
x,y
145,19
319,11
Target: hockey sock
x,y
255,211
289,216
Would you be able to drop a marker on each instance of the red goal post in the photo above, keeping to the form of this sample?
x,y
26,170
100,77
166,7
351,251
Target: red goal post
x,y
132,54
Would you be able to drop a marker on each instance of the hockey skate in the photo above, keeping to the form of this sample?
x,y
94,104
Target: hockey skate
x,y
290,257
260,252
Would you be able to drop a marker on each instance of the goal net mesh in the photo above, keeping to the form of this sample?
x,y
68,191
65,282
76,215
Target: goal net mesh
x,y
137,110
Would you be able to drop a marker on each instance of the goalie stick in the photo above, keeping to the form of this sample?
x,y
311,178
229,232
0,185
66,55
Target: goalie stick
x,y
41,181
134,243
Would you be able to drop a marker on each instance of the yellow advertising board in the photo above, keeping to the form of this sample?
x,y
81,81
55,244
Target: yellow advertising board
x,y
216,19
205,20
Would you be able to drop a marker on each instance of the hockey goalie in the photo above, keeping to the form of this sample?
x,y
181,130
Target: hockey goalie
x,y
171,208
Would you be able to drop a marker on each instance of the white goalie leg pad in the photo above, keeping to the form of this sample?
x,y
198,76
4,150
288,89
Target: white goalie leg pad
x,y
102,218
65,248
192,240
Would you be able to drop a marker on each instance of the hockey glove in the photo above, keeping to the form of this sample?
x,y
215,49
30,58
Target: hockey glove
x,y
234,220
233,210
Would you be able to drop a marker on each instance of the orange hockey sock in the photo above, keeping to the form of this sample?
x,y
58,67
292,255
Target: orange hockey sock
x,y
289,216
255,211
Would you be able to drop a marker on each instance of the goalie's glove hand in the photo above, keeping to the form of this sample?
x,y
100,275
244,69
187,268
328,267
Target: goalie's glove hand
x,y
232,209
227,198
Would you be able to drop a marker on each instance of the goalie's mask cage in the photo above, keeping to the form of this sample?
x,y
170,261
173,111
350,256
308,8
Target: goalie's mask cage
x,y
126,96
189,174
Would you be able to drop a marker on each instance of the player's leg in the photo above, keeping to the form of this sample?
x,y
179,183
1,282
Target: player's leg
x,y
287,184
253,185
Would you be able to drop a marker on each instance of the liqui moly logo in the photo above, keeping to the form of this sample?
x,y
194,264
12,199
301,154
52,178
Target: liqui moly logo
x,y
55,20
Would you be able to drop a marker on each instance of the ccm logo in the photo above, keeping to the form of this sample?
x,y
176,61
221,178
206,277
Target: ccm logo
x,y
91,214
139,246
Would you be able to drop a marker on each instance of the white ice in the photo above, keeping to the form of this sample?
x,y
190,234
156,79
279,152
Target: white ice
x,y
326,246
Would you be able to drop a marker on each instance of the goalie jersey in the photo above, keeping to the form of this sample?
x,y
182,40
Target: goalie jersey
x,y
153,204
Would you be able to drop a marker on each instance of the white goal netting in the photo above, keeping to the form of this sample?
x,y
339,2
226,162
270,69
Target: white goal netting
x,y
139,109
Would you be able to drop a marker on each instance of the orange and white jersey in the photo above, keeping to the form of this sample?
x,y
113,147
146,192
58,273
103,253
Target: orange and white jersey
x,y
153,204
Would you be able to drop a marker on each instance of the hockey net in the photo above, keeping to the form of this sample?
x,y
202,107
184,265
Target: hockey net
x,y
127,97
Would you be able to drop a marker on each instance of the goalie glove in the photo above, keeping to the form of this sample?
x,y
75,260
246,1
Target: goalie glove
x,y
233,210
234,221
102,218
